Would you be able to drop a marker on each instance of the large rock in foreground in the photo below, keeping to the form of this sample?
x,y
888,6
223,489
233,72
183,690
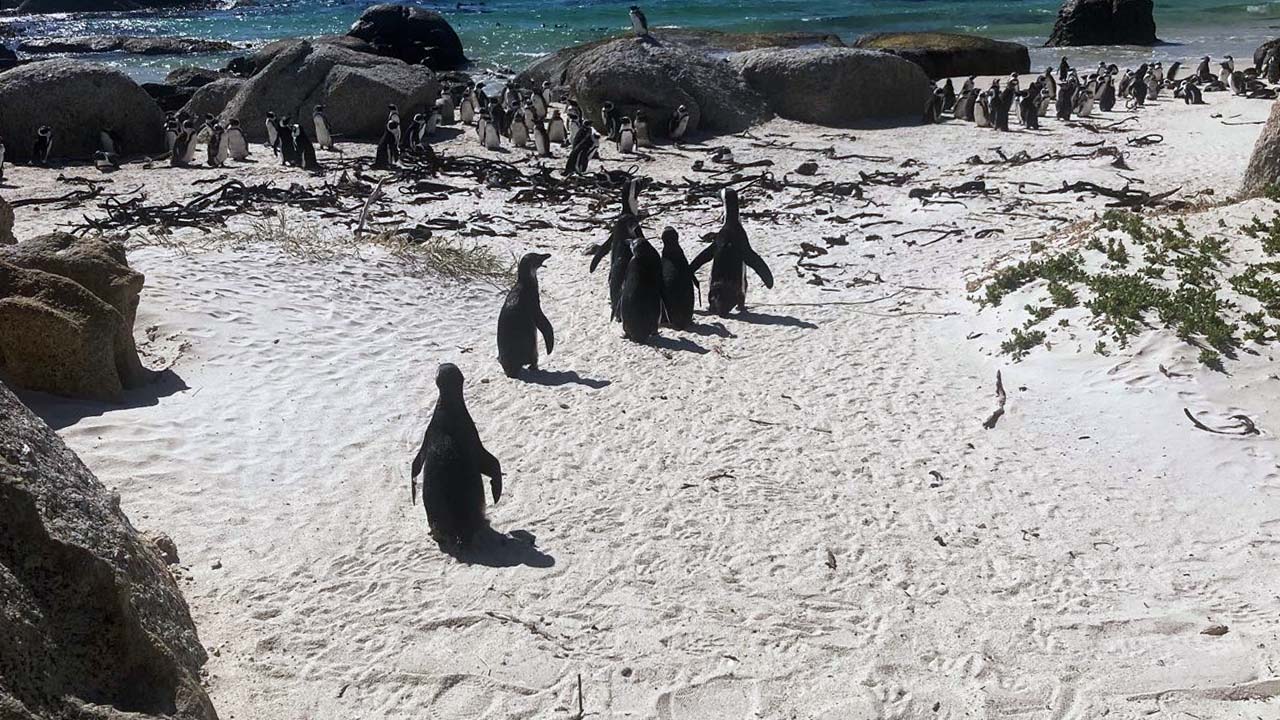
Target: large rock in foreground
x,y
92,626
714,43
634,74
67,309
1104,22
412,34
354,87
78,100
1263,172
837,87
943,55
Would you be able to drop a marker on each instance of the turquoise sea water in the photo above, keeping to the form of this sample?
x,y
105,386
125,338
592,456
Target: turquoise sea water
x,y
508,33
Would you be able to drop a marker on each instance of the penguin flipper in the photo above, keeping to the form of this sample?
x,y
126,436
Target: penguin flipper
x,y
490,466
548,333
416,468
702,259
756,263
601,250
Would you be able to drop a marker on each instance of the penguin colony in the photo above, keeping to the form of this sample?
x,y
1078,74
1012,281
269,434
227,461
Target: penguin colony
x,y
646,288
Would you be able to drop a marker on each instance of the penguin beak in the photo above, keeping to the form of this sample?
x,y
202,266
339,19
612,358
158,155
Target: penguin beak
x,y
542,258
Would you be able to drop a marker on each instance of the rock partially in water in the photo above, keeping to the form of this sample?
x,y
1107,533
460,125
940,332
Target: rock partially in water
x,y
636,74
354,87
90,44
837,87
1104,22
714,43
93,626
943,55
412,34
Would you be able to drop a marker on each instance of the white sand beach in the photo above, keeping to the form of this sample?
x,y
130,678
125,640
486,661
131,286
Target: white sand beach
x,y
793,513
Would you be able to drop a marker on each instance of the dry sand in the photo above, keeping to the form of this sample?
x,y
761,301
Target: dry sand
x,y
792,514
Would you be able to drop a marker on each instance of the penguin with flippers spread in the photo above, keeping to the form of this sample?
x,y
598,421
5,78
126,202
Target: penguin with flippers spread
x,y
730,253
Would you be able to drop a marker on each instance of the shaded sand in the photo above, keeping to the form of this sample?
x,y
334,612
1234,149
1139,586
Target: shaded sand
x,y
795,513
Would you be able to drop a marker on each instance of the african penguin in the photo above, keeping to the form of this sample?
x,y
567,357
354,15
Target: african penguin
x,y
730,253
521,319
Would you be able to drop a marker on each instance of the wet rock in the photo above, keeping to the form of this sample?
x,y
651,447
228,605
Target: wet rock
x,y
412,34
943,55
120,43
1104,22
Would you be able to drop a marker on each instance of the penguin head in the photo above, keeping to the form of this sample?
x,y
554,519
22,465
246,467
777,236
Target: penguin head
x,y
44,131
530,263
449,379
730,198
271,115
670,236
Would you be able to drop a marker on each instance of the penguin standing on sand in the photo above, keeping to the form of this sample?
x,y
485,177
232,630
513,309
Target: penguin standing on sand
x,y
213,148
451,460
43,147
324,138
490,139
964,105
730,254
679,124
394,114
626,137
1191,94
640,303
611,122
1066,99
572,122
583,147
273,133
641,125
170,133
678,282
1003,105
237,146
555,128
639,24
1064,69
948,96
444,107
519,130
618,246
466,110
388,153
306,151
417,128
288,145
521,319
982,110
181,141
1029,107
1107,94
539,104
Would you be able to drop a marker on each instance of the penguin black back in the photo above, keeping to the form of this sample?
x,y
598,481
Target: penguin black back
x,y
640,304
677,282
618,245
521,319
451,461
729,254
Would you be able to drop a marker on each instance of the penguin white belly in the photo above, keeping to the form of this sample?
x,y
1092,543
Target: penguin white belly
x,y
519,133
540,143
539,106
980,115
170,139
627,141
237,146
555,131
480,129
432,123
492,141
444,106
466,112
224,148
642,135
322,133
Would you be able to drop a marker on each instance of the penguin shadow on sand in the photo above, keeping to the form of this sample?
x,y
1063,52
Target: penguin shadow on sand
x,y
490,548
758,318
681,344
556,378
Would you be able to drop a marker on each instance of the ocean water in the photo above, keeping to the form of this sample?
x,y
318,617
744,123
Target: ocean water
x,y
504,34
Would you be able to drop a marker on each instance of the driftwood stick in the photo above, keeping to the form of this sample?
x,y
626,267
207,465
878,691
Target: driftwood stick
x,y
1000,400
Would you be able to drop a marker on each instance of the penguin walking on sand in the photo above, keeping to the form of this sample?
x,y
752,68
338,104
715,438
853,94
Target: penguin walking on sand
x,y
678,282
388,153
678,125
237,146
43,148
451,461
324,138
521,319
730,254
273,133
639,24
555,129
618,246
639,305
